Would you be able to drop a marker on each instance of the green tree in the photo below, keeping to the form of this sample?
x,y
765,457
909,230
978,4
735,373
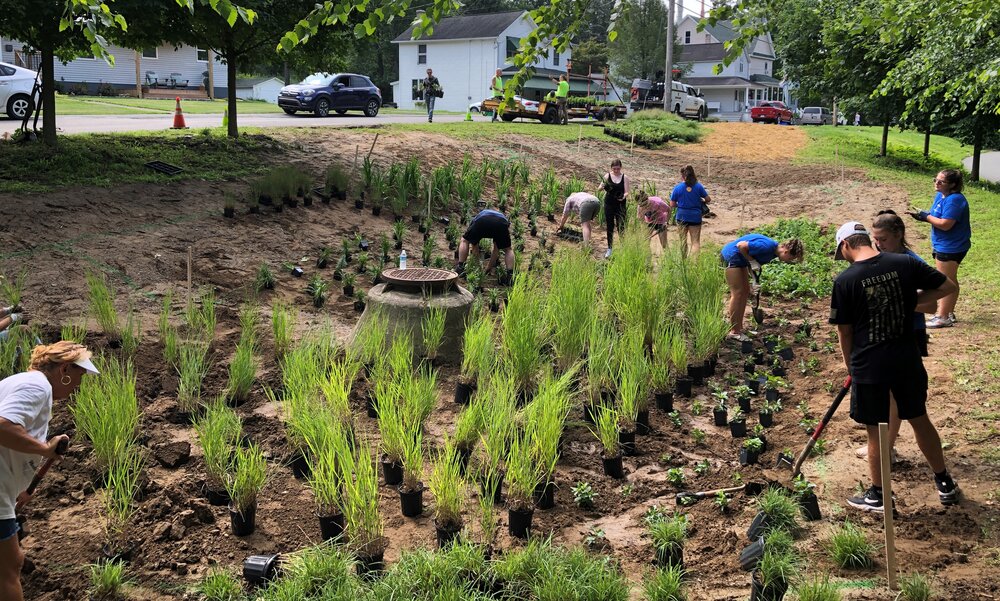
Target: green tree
x,y
590,56
640,48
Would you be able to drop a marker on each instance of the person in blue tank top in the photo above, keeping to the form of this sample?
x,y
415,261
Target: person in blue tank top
x,y
747,253
686,199
951,237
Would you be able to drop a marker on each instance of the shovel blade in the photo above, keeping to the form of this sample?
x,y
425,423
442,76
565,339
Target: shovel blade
x,y
758,316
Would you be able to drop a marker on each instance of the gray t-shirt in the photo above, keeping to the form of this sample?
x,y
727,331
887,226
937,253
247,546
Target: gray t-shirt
x,y
25,400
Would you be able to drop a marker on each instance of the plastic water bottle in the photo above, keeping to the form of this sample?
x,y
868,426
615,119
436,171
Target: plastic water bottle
x,y
402,260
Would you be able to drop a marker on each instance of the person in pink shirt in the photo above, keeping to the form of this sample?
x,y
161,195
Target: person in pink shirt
x,y
584,204
656,213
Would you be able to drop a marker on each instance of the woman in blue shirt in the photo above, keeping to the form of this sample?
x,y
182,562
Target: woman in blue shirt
x,y
747,253
951,237
686,199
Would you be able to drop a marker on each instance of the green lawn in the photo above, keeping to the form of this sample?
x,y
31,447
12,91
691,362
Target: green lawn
x,y
99,105
907,167
66,105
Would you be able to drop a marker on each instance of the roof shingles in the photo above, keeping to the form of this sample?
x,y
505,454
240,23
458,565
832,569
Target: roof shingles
x,y
466,27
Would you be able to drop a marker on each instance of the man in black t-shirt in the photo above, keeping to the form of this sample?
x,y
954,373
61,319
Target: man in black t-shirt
x,y
872,306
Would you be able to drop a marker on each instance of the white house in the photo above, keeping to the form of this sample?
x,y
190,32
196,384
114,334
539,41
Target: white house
x,y
465,53
259,88
742,84
181,68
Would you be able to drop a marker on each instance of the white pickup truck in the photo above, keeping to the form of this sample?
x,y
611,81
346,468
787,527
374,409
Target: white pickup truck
x,y
686,101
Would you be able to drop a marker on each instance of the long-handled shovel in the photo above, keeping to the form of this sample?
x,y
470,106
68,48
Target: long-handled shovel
x,y
758,314
60,450
686,498
818,430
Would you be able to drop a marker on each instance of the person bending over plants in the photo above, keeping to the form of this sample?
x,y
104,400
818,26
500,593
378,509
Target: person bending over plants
x,y
749,253
495,226
55,372
586,206
690,199
656,213
872,305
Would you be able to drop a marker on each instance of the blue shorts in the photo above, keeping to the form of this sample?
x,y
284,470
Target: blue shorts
x,y
9,528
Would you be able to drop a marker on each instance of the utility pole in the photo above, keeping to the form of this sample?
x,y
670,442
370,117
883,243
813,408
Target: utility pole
x,y
668,73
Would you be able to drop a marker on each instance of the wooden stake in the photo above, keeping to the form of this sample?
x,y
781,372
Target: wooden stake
x,y
885,449
579,140
709,173
355,167
189,275
373,145
631,144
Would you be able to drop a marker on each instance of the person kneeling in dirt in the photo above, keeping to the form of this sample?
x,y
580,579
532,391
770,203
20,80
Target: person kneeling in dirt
x,y
26,399
495,226
656,213
872,306
586,205
745,254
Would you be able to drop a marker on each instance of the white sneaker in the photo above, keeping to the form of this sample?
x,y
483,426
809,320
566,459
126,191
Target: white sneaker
x,y
940,322
607,254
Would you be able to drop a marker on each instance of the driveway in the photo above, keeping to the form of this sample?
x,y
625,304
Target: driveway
x,y
78,124
989,166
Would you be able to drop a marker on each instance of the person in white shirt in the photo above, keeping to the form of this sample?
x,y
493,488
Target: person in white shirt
x,y
55,372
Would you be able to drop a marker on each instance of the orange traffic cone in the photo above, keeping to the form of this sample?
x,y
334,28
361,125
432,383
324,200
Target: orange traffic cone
x,y
179,116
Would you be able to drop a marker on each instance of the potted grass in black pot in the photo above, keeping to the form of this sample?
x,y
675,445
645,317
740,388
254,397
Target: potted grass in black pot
x,y
324,256
775,571
606,431
660,372
411,491
805,493
244,483
522,477
326,481
447,487
668,533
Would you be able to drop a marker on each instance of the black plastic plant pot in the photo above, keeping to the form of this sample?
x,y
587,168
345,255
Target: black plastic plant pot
x,y
338,275
411,503
614,467
243,523
519,522
447,535
463,455
292,202
342,195
671,556
398,245
696,373
765,419
721,417
218,498
415,218
750,556
770,345
254,210
758,527
746,347
422,228
259,569
810,507
300,467
331,527
590,411
749,367
772,592
497,491
545,494
370,406
708,369
771,395
664,401
748,456
322,263
348,291
683,388
452,245
376,211
759,357
642,423
307,201
786,353
297,272
463,392
358,204
392,473
278,207
371,565
607,397
779,371
264,199
744,403
627,442
359,306
550,217
738,429
754,385
229,212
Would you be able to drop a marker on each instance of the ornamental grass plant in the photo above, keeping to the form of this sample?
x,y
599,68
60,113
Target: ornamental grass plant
x,y
102,305
523,331
432,328
246,479
218,430
477,348
570,305
448,487
363,520
283,318
106,410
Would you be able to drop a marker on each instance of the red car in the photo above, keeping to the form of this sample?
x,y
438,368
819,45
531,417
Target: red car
x,y
771,112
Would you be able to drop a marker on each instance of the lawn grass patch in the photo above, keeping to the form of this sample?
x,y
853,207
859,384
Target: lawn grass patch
x,y
653,128
113,105
114,159
484,130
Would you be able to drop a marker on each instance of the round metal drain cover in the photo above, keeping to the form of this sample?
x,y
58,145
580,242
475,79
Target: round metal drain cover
x,y
420,279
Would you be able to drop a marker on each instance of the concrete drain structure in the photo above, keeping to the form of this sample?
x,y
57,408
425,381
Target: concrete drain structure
x,y
406,297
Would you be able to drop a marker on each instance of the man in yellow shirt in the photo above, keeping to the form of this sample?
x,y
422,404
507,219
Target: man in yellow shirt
x,y
496,86
562,93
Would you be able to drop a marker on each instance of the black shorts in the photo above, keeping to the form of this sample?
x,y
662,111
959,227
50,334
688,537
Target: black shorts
x,y
945,257
493,227
922,340
870,402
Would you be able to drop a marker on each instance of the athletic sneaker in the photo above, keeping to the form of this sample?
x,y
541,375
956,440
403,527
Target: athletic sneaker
x,y
952,317
947,490
607,254
940,322
737,337
870,500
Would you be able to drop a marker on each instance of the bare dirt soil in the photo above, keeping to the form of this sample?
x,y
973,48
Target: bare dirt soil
x,y
140,235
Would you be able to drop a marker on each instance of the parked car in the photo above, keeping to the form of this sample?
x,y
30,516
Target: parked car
x,y
816,115
15,91
531,105
771,111
321,93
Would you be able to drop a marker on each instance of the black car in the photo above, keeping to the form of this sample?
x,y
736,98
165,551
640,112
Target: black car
x,y
321,93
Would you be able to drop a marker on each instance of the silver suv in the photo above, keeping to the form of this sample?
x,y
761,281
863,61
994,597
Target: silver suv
x,y
816,115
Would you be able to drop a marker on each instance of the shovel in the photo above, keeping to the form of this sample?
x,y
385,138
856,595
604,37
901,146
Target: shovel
x,y
60,450
758,314
686,498
796,467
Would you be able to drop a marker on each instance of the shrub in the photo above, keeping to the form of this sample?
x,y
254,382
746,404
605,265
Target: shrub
x,y
107,578
818,589
814,277
849,548
220,586
653,128
914,587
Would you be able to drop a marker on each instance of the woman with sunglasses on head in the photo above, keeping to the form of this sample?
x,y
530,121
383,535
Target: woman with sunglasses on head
x,y
951,237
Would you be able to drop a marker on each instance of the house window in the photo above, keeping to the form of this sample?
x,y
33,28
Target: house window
x,y
512,44
741,66
708,38
765,67
149,53
202,55
555,57
687,37
421,54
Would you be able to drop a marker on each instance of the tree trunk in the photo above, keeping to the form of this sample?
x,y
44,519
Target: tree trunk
x,y
234,131
48,96
288,79
885,138
977,150
927,141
